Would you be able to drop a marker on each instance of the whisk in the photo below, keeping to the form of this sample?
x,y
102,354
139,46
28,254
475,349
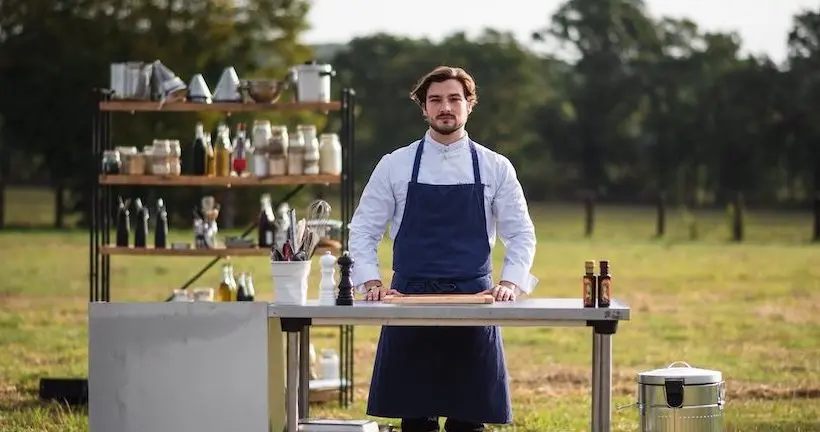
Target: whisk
x,y
318,214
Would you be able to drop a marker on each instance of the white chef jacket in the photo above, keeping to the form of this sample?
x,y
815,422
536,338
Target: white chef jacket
x,y
384,197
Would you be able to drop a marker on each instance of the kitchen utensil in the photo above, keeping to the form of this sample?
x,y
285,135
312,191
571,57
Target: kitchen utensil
x,y
198,90
170,87
131,80
300,234
292,226
227,88
287,251
429,299
265,90
318,215
312,81
313,241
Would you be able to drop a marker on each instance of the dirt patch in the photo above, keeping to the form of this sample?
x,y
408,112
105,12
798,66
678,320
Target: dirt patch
x,y
749,391
808,312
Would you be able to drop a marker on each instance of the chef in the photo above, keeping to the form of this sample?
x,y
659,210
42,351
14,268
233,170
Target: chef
x,y
444,197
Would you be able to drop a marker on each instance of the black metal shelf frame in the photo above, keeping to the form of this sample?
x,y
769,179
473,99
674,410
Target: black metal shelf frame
x,y
102,210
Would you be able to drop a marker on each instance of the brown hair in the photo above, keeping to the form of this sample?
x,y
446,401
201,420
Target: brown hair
x,y
441,74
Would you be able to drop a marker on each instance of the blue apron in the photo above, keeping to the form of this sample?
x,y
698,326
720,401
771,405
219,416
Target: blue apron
x,y
453,372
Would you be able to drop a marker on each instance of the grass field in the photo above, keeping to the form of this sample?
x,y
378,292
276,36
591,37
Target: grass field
x,y
750,310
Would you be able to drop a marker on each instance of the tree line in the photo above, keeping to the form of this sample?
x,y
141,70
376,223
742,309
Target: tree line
x,y
635,106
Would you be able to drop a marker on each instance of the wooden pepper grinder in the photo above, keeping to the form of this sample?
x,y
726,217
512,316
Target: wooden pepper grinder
x,y
141,230
345,296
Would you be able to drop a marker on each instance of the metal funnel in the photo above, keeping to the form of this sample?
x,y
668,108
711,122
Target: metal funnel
x,y
198,90
227,89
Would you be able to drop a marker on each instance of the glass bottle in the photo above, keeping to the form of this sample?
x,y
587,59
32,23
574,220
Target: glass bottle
x,y
227,287
223,151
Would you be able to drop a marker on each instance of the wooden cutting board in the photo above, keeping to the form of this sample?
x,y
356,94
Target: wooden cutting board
x,y
440,299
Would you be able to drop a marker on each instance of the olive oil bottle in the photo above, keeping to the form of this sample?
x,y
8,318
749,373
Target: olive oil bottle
x,y
589,285
227,288
223,150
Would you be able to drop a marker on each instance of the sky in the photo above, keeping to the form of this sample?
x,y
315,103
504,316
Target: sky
x,y
762,24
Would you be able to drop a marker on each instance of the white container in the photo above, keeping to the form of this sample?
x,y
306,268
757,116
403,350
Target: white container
x,y
330,364
290,282
330,154
312,81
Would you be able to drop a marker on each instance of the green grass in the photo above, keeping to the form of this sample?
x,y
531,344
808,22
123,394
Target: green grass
x,y
750,310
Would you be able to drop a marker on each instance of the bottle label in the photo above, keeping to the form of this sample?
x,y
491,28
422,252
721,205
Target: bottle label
x,y
588,293
606,287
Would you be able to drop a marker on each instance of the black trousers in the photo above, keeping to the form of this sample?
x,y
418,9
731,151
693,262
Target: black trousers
x,y
431,425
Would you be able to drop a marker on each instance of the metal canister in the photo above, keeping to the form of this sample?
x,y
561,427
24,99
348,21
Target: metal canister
x,y
681,399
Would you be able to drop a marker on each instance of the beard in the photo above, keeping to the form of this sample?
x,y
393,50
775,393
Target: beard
x,y
445,125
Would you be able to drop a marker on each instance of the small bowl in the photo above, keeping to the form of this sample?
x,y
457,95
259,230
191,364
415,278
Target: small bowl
x,y
265,90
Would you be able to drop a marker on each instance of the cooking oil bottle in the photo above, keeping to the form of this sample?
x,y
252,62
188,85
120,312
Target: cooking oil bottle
x,y
227,288
223,150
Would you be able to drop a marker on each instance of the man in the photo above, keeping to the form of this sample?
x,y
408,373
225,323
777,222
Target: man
x,y
444,197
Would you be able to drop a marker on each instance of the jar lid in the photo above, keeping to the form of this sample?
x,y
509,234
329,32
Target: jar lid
x,y
690,375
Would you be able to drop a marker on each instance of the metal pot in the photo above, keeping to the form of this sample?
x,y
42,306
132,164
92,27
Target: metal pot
x,y
312,81
681,399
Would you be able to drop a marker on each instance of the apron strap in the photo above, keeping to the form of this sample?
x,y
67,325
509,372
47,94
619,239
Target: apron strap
x,y
476,171
415,177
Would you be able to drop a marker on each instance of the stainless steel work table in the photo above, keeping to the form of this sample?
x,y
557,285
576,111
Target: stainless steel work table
x,y
541,312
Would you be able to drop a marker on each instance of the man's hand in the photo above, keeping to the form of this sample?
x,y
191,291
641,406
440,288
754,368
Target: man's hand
x,y
375,291
502,291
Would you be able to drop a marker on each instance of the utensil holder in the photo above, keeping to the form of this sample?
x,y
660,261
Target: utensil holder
x,y
290,281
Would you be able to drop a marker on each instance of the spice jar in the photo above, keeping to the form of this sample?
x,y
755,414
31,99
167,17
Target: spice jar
x,y
311,149
160,152
111,163
277,151
260,137
174,157
296,154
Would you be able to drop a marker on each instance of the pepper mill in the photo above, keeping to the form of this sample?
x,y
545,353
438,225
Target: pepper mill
x,y
123,223
141,230
161,230
345,296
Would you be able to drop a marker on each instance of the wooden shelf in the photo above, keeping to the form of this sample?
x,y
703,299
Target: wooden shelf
x,y
182,180
193,252
154,106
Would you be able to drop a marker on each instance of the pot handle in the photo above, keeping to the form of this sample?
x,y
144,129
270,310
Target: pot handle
x,y
678,362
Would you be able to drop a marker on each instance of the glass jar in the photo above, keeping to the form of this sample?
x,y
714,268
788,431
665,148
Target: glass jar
x,y
111,163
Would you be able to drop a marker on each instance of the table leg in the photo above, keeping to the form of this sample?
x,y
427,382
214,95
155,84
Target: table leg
x,y
304,371
596,382
602,382
293,382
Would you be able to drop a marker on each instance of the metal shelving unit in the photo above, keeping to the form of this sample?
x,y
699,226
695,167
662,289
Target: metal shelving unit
x,y
102,202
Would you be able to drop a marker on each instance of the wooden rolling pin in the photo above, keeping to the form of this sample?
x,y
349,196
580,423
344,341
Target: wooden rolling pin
x,y
440,299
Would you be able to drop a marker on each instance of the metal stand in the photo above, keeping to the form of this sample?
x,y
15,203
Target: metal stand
x,y
102,212
602,375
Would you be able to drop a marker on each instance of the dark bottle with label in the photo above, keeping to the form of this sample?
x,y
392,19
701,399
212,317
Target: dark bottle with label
x,y
161,230
266,226
123,224
141,228
604,285
241,290
588,284
197,161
